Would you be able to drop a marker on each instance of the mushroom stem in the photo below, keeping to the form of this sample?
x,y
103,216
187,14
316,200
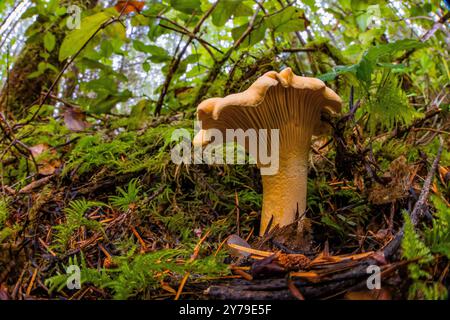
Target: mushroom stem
x,y
285,193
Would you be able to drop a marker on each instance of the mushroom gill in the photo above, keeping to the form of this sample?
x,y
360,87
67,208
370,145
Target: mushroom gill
x,y
291,104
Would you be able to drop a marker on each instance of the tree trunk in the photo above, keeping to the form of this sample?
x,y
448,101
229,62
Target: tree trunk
x,y
20,92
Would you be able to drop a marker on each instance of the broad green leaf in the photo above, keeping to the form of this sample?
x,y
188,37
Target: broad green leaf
x,y
362,21
42,68
364,70
52,5
377,52
359,5
76,39
140,20
158,54
186,6
227,8
337,71
311,4
60,11
364,17
154,9
193,58
223,12
49,41
243,10
288,20
254,37
106,49
374,54
29,13
116,30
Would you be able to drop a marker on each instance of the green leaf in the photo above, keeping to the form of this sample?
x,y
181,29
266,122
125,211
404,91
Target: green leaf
x,y
337,71
117,30
60,11
52,5
253,38
242,10
311,4
392,66
29,13
383,50
362,20
49,41
186,6
359,5
76,39
412,245
389,106
364,70
369,60
158,54
146,66
227,8
42,68
289,20
223,12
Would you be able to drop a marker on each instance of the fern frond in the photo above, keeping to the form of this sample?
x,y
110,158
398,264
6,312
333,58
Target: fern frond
x,y
389,107
126,198
74,220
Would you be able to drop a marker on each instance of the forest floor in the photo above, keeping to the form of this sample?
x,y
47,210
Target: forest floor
x,y
111,203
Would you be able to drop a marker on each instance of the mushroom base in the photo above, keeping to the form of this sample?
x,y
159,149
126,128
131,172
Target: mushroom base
x,y
284,194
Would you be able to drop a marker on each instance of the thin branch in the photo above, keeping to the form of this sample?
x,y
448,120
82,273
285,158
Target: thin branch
x,y
417,211
176,62
215,70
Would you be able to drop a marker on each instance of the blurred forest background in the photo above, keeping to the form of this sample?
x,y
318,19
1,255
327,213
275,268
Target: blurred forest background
x,y
86,121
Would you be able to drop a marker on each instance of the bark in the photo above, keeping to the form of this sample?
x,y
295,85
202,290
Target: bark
x,y
20,92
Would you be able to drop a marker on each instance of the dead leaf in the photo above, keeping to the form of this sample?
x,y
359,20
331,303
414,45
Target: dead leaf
x,y
238,247
131,6
38,149
46,167
381,234
75,119
49,168
400,175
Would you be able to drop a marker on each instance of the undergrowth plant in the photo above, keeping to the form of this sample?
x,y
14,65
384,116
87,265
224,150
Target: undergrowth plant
x,y
5,231
140,273
375,78
75,218
425,249
127,198
4,213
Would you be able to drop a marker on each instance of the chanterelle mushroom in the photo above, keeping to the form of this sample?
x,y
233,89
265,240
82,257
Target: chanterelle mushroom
x,y
283,101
